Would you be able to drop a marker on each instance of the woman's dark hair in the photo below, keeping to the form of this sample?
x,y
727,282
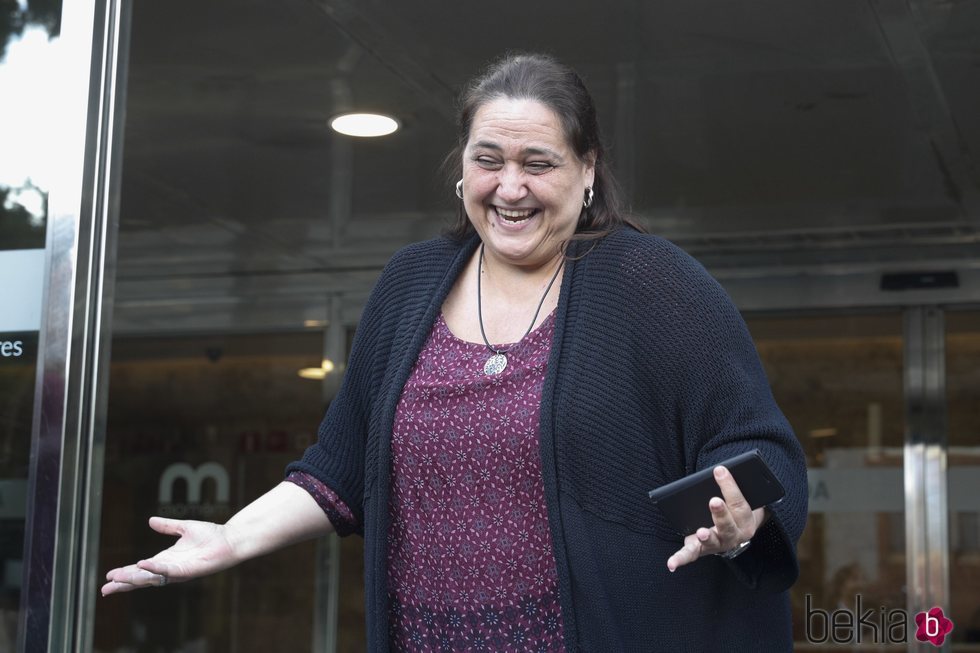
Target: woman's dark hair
x,y
542,78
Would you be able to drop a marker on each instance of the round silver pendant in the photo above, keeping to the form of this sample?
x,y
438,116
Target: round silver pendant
x,y
495,364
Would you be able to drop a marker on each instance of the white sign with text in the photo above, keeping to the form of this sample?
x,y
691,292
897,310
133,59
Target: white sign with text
x,y
882,489
21,288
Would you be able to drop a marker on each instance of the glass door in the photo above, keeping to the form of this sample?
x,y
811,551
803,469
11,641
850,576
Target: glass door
x,y
197,427
21,259
839,381
963,397
28,50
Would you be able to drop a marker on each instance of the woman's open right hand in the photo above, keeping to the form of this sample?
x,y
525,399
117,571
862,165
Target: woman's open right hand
x,y
284,515
202,549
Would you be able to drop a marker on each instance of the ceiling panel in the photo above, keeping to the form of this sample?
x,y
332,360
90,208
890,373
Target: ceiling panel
x,y
758,134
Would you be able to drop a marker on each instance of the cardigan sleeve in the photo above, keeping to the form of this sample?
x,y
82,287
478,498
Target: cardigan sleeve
x,y
337,459
728,408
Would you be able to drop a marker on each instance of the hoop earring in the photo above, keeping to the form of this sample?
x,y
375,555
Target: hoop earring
x,y
459,189
589,196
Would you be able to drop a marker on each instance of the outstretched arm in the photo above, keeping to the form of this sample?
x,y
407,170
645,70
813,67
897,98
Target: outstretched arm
x,y
284,515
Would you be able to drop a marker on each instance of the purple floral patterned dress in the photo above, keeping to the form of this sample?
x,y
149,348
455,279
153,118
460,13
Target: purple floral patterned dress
x,y
470,559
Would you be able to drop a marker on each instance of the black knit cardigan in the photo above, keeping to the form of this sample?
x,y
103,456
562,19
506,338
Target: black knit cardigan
x,y
652,375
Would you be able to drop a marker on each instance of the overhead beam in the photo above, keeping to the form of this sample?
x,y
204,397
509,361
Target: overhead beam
x,y
901,29
394,54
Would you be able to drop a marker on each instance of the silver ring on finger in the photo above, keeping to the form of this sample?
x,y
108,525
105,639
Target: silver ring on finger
x,y
163,580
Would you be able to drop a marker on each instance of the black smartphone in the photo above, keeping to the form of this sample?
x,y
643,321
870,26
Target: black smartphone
x,y
685,501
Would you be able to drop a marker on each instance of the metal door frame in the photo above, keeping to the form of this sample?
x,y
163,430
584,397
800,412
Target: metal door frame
x,y
64,487
926,469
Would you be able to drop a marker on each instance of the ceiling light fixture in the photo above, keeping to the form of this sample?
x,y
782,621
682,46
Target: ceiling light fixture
x,y
318,373
364,124
827,432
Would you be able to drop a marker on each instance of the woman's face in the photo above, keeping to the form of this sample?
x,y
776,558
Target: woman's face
x,y
523,185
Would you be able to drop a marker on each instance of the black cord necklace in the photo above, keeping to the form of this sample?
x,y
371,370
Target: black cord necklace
x,y
498,359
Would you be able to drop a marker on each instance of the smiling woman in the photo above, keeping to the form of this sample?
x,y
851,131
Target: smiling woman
x,y
523,185
513,392
568,108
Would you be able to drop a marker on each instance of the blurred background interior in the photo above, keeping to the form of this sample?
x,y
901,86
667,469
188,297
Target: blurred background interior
x,y
819,157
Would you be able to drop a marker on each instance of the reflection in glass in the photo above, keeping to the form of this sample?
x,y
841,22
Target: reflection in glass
x,y
15,17
28,43
28,31
23,215
18,358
